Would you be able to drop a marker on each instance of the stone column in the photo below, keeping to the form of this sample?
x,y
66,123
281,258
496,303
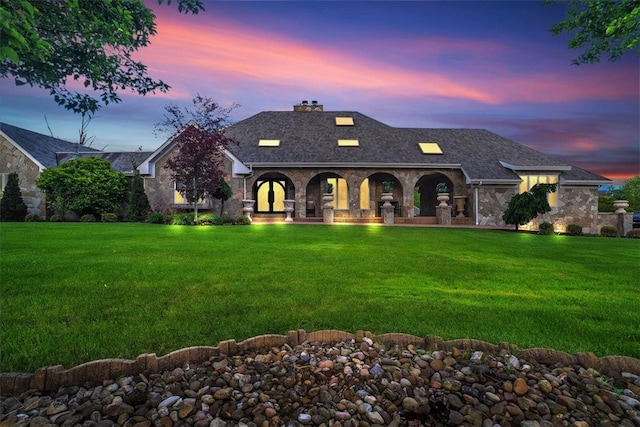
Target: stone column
x,y
444,214
247,208
387,208
327,208
620,206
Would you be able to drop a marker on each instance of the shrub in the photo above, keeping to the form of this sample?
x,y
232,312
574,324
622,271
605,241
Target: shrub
x,y
634,234
157,218
31,218
545,228
207,219
228,220
56,218
182,219
138,200
243,220
218,220
88,218
12,206
109,217
609,231
574,229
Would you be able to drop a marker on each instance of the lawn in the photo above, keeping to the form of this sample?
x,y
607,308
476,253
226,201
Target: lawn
x,y
76,292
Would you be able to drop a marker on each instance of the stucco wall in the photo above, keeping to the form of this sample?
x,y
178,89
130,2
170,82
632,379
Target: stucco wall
x,y
13,160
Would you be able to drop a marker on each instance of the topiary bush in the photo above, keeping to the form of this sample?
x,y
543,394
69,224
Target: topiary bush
x,y
88,218
545,228
31,218
574,229
12,206
243,220
609,231
109,217
157,218
634,234
56,218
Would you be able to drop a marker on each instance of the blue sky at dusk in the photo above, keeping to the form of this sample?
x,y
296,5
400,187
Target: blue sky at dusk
x,y
473,64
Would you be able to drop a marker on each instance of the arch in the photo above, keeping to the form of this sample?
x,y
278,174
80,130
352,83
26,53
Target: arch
x,y
270,191
316,187
426,195
376,188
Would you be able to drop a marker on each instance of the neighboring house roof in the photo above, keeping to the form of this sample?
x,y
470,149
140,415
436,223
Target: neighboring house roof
x,y
120,161
42,149
310,139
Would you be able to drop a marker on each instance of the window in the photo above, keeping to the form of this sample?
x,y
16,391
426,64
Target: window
x,y
348,143
4,179
365,203
529,181
430,148
344,121
340,193
269,143
178,197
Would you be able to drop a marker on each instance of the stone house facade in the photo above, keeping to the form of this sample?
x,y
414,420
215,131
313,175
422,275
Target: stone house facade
x,y
288,157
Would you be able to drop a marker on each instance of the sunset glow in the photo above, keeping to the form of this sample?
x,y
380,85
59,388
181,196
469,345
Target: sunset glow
x,y
491,65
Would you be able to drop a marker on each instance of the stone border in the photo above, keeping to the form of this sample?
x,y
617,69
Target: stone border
x,y
51,378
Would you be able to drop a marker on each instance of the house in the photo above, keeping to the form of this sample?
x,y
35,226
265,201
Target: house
x,y
292,155
28,153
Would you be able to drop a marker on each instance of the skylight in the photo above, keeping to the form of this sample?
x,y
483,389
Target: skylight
x,y
430,148
269,143
348,143
344,121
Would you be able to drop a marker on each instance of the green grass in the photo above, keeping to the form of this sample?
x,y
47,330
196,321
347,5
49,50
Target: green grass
x,y
72,293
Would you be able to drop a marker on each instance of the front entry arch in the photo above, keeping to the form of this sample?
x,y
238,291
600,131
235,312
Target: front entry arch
x,y
270,191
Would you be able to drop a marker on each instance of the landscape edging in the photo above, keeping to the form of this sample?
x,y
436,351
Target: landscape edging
x,y
51,378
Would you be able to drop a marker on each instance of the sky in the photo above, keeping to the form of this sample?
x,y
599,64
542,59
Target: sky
x,y
425,64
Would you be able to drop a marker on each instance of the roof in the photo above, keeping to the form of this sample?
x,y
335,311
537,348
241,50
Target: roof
x,y
41,148
120,161
310,139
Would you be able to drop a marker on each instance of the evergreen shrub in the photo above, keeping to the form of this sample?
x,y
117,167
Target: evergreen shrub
x,y
183,219
243,220
88,218
545,228
31,218
157,218
12,206
609,231
56,218
207,219
109,217
634,234
574,229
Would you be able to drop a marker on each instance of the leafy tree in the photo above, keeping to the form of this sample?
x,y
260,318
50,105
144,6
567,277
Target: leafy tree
x,y
222,193
12,206
526,206
138,201
629,190
197,164
45,43
84,186
610,27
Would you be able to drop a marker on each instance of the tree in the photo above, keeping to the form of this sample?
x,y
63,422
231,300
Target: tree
x,y
138,201
84,186
610,27
629,190
526,206
223,193
45,43
196,166
12,206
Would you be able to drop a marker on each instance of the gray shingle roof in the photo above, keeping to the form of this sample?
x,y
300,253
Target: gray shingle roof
x,y
120,161
311,138
41,147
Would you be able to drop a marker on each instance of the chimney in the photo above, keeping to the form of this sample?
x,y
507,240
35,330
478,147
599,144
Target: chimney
x,y
304,106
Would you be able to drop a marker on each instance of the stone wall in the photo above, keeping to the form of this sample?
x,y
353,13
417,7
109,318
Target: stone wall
x,y
492,202
13,160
